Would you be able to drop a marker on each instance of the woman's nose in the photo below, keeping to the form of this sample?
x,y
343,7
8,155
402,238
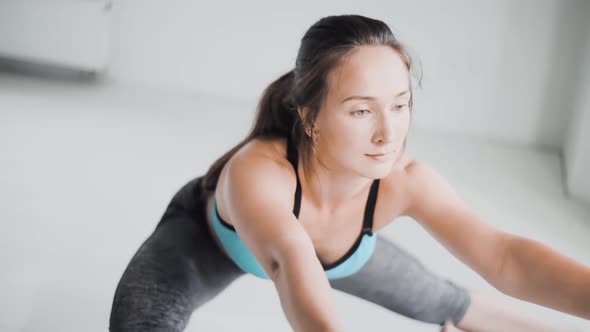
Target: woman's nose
x,y
385,131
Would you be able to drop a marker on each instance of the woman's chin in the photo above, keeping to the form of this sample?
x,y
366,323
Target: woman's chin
x,y
378,172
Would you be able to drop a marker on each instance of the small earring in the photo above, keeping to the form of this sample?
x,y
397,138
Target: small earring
x,y
314,137
312,134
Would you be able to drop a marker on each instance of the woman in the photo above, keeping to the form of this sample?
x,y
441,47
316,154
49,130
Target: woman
x,y
300,199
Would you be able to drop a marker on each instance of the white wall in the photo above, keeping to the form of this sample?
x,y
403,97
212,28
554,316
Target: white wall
x,y
577,148
87,170
502,70
67,33
496,69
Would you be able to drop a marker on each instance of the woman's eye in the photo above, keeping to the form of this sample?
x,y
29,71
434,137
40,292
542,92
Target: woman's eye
x,y
361,112
401,107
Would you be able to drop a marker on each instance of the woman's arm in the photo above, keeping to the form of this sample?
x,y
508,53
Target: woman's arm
x,y
533,272
517,266
259,202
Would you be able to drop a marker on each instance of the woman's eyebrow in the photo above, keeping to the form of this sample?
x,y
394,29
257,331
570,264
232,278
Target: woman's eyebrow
x,y
371,97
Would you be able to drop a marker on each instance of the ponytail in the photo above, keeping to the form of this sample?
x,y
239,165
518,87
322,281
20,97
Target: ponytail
x,y
276,116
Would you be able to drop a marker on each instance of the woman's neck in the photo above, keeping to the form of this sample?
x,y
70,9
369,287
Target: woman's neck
x,y
328,190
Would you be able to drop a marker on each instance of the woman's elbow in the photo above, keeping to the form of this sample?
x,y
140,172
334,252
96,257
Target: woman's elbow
x,y
290,254
505,277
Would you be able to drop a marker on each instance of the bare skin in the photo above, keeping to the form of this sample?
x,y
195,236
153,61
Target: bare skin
x,y
486,311
343,224
333,199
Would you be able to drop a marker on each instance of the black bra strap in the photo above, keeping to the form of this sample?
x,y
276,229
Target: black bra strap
x,y
370,208
292,153
293,157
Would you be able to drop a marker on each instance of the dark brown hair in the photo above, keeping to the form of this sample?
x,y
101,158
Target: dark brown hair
x,y
324,45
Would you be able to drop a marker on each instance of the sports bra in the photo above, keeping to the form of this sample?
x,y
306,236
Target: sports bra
x,y
351,262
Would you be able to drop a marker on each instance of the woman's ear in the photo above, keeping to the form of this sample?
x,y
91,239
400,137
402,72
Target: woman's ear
x,y
303,116
302,111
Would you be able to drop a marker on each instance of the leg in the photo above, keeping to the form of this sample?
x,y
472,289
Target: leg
x,y
176,270
397,281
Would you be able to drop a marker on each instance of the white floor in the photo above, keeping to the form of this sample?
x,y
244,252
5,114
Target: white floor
x,y
86,172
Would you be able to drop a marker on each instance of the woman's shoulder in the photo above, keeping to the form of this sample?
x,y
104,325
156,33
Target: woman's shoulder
x,y
257,174
414,180
263,150
400,171
393,188
262,157
406,162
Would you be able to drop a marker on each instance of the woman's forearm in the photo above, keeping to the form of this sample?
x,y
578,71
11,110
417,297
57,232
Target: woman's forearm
x,y
489,312
305,294
533,272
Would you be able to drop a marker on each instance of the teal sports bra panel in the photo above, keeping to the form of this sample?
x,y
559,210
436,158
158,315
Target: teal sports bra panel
x,y
353,261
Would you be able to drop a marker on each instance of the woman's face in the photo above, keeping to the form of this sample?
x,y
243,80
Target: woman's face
x,y
365,113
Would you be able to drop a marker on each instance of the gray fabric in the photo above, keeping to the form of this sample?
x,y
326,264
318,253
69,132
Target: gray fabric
x,y
176,270
179,268
396,280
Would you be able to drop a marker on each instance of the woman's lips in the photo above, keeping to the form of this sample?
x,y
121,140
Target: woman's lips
x,y
380,157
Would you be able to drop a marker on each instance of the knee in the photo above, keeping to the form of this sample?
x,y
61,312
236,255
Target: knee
x,y
133,312
439,308
142,304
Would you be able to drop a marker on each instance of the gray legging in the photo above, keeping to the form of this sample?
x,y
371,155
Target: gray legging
x,y
179,268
